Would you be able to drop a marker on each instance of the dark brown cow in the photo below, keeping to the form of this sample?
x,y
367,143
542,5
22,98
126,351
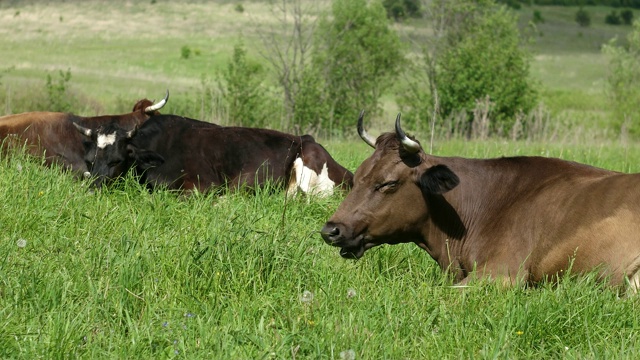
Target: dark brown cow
x,y
53,135
511,219
188,154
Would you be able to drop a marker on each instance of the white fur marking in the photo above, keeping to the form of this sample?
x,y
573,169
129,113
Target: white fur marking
x,y
309,182
324,186
105,140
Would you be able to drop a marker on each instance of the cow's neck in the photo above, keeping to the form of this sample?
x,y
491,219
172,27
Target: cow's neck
x,y
458,218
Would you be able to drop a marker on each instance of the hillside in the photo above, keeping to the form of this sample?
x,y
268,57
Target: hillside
x,y
120,51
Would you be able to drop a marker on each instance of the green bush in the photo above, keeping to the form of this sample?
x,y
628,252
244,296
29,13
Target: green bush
x,y
244,93
613,18
357,56
402,9
488,61
537,17
312,105
57,97
185,52
624,81
627,16
583,18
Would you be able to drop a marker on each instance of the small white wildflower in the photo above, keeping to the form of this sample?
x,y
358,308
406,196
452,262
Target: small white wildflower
x,y
19,166
306,297
21,243
351,293
348,355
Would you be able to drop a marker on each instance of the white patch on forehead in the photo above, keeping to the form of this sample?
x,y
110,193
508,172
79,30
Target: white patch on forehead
x,y
310,182
106,139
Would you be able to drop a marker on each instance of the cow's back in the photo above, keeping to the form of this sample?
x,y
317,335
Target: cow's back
x,y
178,141
200,155
48,134
537,217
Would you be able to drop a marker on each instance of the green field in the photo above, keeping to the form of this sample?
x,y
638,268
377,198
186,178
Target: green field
x,y
124,273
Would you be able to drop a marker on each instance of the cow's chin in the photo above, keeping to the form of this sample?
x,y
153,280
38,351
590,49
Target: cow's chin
x,y
355,252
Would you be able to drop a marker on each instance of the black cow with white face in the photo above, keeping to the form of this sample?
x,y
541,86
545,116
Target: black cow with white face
x,y
188,154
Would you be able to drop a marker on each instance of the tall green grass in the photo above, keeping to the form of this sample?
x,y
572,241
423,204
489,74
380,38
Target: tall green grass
x,y
124,273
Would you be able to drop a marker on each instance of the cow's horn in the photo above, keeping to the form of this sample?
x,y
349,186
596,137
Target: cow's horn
x,y
159,105
408,144
83,130
363,133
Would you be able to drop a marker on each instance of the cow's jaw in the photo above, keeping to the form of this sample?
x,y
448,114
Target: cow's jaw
x,y
356,252
350,247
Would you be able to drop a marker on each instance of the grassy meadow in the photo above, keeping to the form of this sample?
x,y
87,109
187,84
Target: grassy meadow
x,y
124,273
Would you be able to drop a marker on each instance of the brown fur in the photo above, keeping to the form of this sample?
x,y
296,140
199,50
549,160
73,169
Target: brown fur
x,y
52,135
517,219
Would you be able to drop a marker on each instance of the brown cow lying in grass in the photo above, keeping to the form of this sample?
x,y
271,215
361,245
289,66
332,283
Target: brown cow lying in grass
x,y
518,219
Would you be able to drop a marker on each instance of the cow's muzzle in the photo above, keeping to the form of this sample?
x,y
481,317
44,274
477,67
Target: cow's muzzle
x,y
336,235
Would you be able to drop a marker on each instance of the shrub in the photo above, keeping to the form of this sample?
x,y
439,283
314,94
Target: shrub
x,y
537,17
185,52
243,90
627,16
57,97
488,62
613,18
624,81
402,9
357,55
583,18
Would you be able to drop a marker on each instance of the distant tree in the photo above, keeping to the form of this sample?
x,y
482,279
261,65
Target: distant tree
x,y
243,90
624,81
57,97
627,16
402,9
291,60
479,55
583,18
537,17
613,18
357,54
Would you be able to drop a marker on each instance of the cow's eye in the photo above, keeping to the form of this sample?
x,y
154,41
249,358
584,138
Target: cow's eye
x,y
387,186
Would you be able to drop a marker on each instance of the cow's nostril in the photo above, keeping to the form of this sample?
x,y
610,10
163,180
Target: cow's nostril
x,y
330,232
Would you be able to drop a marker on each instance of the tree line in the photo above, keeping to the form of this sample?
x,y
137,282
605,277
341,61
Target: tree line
x,y
327,69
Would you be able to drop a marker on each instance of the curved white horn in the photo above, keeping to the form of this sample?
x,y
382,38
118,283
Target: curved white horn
x,y
159,105
83,130
363,133
408,144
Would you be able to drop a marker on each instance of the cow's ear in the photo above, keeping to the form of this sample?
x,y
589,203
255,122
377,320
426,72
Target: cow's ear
x,y
145,159
438,180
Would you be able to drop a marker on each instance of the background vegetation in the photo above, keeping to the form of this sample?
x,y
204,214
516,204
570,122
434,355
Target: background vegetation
x,y
274,64
123,273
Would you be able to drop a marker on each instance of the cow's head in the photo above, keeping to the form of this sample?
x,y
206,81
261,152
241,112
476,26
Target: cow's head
x,y
108,154
147,108
388,201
